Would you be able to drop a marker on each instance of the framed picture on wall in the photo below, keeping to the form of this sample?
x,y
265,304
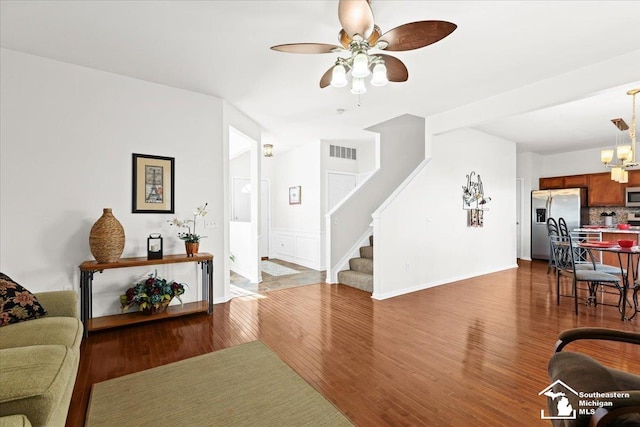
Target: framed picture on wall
x,y
153,184
295,195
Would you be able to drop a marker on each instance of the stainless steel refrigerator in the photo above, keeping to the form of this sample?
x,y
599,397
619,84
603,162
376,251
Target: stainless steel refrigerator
x,y
567,203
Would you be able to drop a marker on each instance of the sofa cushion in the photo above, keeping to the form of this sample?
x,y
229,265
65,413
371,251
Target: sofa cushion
x,y
65,331
584,374
36,380
15,421
17,303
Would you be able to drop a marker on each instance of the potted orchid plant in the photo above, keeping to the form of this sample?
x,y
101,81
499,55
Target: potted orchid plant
x,y
190,237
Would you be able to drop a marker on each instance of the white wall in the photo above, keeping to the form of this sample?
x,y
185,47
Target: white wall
x,y
66,140
573,163
422,237
401,149
365,156
295,229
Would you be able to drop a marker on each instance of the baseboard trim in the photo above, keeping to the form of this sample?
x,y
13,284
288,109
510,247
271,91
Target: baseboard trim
x,y
399,292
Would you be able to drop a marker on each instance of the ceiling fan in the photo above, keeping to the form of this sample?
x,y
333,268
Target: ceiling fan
x,y
359,35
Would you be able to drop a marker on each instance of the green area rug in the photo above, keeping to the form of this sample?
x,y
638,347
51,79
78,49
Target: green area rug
x,y
245,385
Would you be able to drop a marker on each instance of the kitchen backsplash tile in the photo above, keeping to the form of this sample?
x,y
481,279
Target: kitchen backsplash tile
x,y
619,218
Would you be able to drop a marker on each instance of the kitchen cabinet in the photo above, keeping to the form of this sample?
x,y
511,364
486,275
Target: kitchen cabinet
x,y
634,178
576,181
552,182
605,192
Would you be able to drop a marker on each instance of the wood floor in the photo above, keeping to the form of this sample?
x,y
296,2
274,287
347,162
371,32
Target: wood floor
x,y
470,353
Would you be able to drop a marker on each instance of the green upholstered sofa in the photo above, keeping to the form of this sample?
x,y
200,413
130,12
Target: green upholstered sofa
x,y
39,361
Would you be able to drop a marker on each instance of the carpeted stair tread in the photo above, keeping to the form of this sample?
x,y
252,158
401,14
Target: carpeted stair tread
x,y
356,279
363,265
366,252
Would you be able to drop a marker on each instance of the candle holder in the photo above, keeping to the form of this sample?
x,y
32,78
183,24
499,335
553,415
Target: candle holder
x,y
154,246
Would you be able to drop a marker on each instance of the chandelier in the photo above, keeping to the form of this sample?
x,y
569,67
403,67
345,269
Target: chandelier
x,y
360,63
625,153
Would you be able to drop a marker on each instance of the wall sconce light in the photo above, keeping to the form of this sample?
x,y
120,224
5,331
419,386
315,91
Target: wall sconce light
x,y
154,246
267,150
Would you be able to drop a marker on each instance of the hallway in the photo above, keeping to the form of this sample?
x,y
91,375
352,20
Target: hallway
x,y
241,286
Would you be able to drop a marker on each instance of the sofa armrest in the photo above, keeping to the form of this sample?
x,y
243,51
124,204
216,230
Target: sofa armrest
x,y
60,303
576,334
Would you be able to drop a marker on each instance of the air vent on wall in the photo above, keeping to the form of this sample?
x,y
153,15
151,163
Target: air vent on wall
x,y
342,152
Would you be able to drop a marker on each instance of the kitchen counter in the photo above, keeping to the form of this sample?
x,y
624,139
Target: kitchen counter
x,y
632,230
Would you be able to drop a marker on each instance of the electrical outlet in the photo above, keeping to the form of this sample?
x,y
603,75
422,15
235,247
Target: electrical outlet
x,y
211,223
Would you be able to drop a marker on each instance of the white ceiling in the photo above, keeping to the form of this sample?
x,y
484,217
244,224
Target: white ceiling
x,y
221,48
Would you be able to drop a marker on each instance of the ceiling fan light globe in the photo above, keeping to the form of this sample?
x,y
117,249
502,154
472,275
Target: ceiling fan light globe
x,y
360,66
358,86
339,76
379,75
606,156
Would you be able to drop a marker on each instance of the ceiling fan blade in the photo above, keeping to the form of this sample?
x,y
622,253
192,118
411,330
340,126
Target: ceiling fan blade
x,y
356,17
416,35
396,70
307,48
325,80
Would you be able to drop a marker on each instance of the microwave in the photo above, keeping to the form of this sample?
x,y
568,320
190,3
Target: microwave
x,y
632,197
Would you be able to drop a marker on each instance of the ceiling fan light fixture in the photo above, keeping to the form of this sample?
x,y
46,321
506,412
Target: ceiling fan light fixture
x,y
339,76
379,75
360,65
358,86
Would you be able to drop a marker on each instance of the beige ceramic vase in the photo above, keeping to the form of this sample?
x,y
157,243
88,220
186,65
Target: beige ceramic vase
x,y
106,239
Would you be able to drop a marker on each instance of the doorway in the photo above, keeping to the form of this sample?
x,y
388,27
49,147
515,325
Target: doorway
x,y
519,211
339,185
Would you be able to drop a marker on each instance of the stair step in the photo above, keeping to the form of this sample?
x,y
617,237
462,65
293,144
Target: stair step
x,y
363,265
356,279
366,252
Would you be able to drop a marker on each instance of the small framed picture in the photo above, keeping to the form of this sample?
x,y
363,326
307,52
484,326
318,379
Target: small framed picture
x,y
295,195
152,184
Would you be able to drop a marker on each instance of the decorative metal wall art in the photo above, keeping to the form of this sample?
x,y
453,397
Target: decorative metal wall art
x,y
474,200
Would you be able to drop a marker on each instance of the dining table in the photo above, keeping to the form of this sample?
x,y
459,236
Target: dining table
x,y
629,275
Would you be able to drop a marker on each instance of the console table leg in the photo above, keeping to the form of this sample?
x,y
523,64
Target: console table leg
x,y
85,299
207,283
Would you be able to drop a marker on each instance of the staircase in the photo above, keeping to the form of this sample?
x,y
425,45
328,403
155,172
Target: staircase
x,y
360,273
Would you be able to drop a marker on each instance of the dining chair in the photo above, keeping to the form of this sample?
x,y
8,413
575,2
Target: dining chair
x,y
552,230
584,374
564,254
586,259
562,227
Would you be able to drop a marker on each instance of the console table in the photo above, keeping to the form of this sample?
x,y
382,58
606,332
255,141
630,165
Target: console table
x,y
88,268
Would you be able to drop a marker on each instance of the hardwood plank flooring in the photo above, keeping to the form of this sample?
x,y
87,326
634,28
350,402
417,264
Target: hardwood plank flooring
x,y
473,352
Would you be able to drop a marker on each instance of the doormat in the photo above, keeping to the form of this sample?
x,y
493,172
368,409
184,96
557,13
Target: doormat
x,y
273,269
